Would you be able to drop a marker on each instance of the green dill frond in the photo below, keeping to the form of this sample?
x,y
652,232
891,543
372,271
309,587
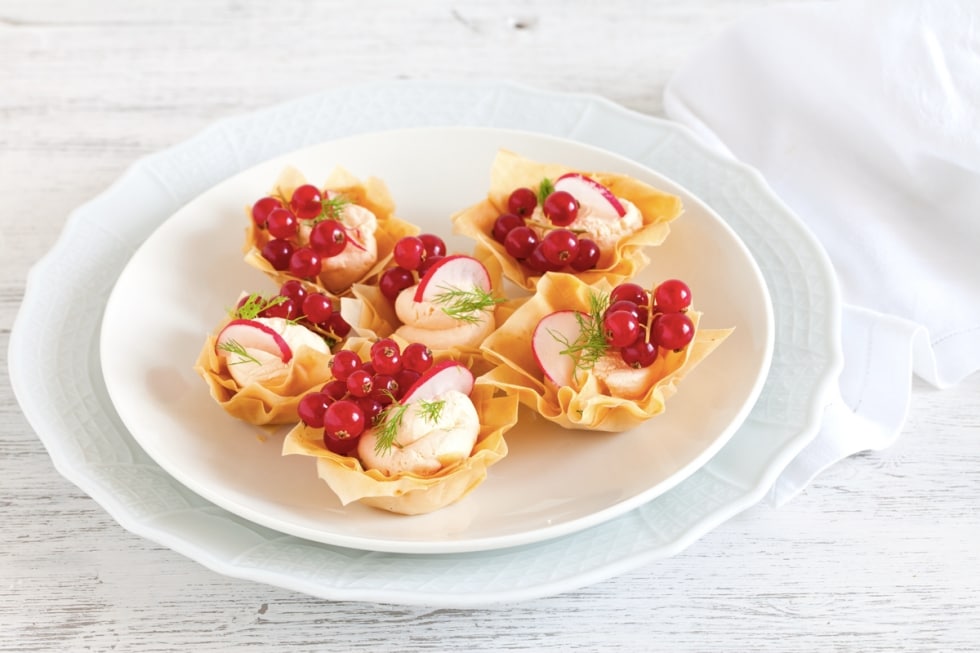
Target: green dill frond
x,y
236,348
465,305
254,305
545,188
431,411
591,343
332,209
390,421
388,424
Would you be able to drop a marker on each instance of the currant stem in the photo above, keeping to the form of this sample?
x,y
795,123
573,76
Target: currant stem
x,y
649,322
547,226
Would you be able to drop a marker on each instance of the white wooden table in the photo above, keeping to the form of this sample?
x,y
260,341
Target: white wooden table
x,y
880,553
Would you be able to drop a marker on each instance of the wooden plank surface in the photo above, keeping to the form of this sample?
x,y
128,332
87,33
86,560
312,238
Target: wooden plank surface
x,y
879,554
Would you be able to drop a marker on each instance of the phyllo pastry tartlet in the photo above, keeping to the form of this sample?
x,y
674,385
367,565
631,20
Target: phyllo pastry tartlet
x,y
599,357
450,302
332,236
540,217
401,431
271,351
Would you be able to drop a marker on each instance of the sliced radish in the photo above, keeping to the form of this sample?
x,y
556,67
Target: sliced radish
x,y
250,334
590,193
554,333
453,271
439,379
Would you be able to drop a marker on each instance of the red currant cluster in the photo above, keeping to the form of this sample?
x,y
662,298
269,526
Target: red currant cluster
x,y
360,391
308,206
413,255
313,310
638,323
558,248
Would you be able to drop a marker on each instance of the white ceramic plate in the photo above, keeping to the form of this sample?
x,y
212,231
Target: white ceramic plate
x,y
56,374
553,482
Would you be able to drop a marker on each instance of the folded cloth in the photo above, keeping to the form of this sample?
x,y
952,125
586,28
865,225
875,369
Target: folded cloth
x,y
865,118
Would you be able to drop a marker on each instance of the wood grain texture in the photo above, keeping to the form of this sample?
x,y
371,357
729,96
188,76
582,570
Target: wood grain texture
x,y
879,554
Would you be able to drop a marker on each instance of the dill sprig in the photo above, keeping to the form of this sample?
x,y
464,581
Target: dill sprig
x,y
389,422
591,342
545,188
464,305
236,348
334,206
254,305
332,209
431,411
393,416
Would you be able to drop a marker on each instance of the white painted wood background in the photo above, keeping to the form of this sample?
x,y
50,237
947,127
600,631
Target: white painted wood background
x,y
881,553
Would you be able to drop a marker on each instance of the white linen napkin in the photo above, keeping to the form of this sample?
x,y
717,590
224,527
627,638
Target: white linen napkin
x,y
864,116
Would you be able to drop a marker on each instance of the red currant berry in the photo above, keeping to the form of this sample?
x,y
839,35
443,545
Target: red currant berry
x,y
328,238
434,245
409,252
641,353
312,407
341,446
417,357
643,314
623,305
503,225
630,292
304,263
672,330
317,308
344,419
371,408
538,263
278,253
428,263
620,328
360,383
385,388
394,280
286,309
559,247
588,255
306,202
262,209
672,296
282,224
337,325
334,390
294,290
344,363
406,379
561,208
386,356
520,242
522,202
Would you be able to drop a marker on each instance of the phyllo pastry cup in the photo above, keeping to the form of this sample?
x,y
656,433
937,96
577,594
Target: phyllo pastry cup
x,y
371,194
408,493
587,405
374,316
511,171
269,401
